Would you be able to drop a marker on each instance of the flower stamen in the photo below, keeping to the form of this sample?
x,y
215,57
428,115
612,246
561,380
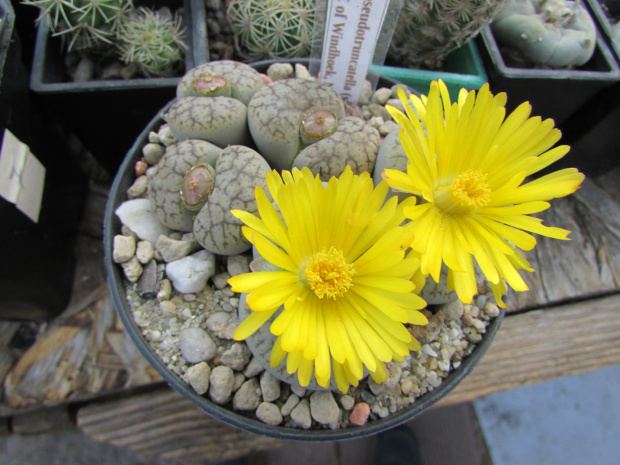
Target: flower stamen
x,y
328,274
467,193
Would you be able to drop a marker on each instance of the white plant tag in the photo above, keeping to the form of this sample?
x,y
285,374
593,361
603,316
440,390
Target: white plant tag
x,y
22,176
352,29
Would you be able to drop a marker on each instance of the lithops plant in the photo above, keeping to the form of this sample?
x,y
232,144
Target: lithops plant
x,y
353,143
238,171
211,103
182,181
152,42
545,33
271,28
276,112
85,24
428,30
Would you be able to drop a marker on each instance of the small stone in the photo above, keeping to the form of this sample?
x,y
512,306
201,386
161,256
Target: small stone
x,y
278,71
481,301
379,110
301,72
190,274
220,280
300,391
382,95
144,252
289,405
248,396
154,137
140,168
429,332
323,407
194,245
366,94
236,357
253,368
491,309
238,264
222,324
139,187
474,338
132,269
196,345
167,307
387,127
393,374
124,248
198,377
221,384
147,285
239,380
300,415
360,413
269,413
467,320
165,290
172,250
269,386
452,310
347,402
165,135
406,387
138,216
153,153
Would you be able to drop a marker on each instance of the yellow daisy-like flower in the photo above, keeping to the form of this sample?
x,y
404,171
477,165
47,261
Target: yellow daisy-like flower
x,y
340,272
469,163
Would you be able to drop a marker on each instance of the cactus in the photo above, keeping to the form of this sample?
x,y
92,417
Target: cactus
x,y
271,28
84,24
546,33
428,30
152,42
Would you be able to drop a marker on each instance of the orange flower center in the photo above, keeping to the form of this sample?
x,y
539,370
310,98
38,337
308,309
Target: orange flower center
x,y
329,274
467,193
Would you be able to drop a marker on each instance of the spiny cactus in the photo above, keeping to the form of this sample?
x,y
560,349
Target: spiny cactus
x,y
85,24
272,28
428,30
546,33
152,42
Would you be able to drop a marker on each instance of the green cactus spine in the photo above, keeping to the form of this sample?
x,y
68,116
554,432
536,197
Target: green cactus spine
x,y
84,24
272,28
152,42
428,30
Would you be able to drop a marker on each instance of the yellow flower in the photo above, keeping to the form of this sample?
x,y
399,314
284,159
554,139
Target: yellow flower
x,y
469,165
340,272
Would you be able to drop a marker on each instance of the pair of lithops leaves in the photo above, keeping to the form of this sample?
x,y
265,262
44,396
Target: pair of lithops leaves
x,y
223,111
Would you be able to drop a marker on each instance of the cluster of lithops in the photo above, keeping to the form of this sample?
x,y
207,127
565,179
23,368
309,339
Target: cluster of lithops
x,y
545,33
179,242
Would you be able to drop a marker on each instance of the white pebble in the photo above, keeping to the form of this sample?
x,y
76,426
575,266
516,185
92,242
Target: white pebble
x,y
190,274
138,216
196,345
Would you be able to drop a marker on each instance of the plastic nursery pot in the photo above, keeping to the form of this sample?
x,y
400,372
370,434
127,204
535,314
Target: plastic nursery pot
x,y
604,25
116,280
107,115
38,258
463,68
553,93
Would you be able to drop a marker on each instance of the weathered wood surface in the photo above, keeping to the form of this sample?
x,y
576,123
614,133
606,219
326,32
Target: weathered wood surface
x,y
82,354
589,264
545,344
165,424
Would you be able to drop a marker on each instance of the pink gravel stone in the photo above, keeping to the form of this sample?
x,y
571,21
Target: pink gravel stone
x,y
359,415
141,168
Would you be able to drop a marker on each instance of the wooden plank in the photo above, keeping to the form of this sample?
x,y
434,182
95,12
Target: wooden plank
x,y
546,344
165,424
586,266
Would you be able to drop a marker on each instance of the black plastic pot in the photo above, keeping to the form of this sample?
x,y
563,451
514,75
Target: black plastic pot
x,y
602,22
553,93
112,226
37,264
106,115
